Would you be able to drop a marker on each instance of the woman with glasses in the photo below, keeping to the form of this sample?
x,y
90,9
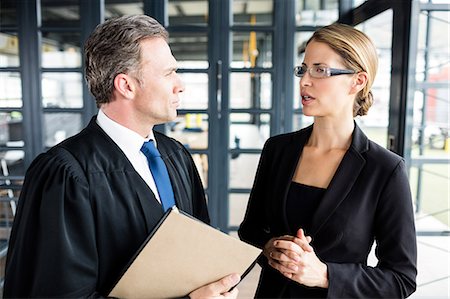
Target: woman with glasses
x,y
324,195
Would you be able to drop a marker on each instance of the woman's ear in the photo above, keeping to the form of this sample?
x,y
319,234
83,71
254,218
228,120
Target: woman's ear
x,y
359,82
125,86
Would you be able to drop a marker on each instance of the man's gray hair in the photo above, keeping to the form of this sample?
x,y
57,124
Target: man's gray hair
x,y
114,48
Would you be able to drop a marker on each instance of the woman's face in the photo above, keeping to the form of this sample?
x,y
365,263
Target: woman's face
x,y
328,96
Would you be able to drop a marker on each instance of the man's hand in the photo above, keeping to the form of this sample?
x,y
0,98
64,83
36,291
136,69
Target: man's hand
x,y
218,289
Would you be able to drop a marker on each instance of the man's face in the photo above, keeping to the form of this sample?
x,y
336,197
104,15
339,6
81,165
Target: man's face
x,y
156,98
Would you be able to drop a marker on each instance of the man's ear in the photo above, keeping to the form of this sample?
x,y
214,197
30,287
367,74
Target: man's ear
x,y
125,85
359,82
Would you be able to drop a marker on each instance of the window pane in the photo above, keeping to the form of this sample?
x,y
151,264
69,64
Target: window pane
x,y
249,130
429,171
60,50
190,49
375,123
11,165
62,90
300,43
10,90
8,12
195,95
316,13
59,126
187,12
11,132
431,194
239,178
301,121
191,130
117,8
9,50
252,49
252,12
55,11
237,208
251,90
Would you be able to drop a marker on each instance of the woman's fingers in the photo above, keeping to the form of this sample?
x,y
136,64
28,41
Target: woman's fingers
x,y
287,268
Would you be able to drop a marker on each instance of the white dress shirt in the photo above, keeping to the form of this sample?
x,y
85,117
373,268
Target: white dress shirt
x,y
130,143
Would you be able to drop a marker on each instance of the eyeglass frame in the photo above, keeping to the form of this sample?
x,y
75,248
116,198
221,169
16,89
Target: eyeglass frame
x,y
328,71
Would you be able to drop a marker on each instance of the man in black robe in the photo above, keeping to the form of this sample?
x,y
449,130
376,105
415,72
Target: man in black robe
x,y
89,202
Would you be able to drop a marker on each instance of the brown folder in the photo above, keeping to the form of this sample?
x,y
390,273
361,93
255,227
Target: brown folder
x,y
181,255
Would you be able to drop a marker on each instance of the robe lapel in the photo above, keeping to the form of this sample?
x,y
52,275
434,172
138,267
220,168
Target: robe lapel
x,y
178,173
150,206
343,180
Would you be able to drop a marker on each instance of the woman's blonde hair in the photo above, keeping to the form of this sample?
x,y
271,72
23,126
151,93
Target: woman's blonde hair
x,y
358,53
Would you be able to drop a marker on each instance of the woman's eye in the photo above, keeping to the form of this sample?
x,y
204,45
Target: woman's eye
x,y
320,70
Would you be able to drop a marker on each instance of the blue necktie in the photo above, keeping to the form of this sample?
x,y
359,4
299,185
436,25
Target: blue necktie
x,y
160,174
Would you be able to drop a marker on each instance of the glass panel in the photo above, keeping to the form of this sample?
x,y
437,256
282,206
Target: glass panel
x,y
430,187
300,43
55,11
9,50
252,12
190,49
11,132
301,121
357,3
191,130
430,132
249,130
375,123
195,95
429,174
11,164
59,126
61,49
201,162
252,49
8,12
242,170
251,90
117,8
10,90
237,208
62,90
184,12
316,13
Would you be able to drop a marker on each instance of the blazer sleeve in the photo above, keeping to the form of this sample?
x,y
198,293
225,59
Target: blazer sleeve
x,y
255,227
52,252
395,274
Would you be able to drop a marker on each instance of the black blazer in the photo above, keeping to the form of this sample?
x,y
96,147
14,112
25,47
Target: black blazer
x,y
84,211
368,199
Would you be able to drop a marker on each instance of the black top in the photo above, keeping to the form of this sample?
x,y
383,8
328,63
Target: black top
x,y
302,201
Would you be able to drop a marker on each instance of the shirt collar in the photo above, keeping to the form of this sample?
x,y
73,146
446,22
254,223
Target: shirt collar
x,y
125,138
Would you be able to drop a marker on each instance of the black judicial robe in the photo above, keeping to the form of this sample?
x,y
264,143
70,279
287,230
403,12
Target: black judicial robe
x,y
84,211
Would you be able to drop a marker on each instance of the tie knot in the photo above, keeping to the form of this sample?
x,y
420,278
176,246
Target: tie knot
x,y
149,149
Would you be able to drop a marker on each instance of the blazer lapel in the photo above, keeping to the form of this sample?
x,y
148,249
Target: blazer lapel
x,y
343,180
287,160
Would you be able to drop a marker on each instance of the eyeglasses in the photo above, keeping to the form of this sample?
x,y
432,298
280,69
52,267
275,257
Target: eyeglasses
x,y
320,71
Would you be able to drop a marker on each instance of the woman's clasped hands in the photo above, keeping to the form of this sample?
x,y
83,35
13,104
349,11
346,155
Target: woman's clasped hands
x,y
295,258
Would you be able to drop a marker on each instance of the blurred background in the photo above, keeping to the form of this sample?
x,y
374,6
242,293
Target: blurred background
x,y
236,58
